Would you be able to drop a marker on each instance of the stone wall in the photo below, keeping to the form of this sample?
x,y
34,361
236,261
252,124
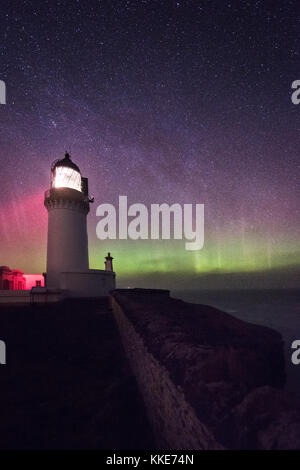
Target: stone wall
x,y
93,283
14,296
208,380
36,295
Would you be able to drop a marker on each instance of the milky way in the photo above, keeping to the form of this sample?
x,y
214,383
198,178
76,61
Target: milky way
x,y
162,101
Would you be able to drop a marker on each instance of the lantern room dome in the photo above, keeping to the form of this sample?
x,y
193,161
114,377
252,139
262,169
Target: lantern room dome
x,y
65,162
65,174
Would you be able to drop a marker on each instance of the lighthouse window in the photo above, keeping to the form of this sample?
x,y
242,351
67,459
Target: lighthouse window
x,y
38,283
66,177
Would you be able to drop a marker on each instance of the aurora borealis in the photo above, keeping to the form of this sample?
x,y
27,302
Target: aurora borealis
x,y
163,101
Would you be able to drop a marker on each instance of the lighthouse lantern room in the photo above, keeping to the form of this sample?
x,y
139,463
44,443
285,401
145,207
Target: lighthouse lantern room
x,y
65,174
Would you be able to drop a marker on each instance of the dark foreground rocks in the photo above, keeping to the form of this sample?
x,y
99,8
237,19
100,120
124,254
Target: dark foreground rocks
x,y
66,384
209,380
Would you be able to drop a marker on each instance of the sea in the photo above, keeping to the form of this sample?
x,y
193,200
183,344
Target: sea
x,y
277,309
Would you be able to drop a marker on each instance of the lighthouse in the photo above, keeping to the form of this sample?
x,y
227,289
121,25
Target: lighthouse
x,y
68,204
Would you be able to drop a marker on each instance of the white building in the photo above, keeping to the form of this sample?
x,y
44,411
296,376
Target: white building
x,y
68,203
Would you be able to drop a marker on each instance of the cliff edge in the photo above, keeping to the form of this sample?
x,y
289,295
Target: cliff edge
x,y
209,380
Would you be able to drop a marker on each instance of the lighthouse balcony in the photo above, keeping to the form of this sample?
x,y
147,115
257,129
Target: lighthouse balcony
x,y
66,198
65,193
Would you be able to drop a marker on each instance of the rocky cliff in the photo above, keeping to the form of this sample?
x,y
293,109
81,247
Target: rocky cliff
x,y
209,380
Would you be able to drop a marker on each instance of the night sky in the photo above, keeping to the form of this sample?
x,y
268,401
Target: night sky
x,y
163,101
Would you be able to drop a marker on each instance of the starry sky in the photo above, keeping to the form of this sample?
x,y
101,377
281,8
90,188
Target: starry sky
x,y
163,101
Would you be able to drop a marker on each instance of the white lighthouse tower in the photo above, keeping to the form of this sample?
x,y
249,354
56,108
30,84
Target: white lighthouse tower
x,y
68,203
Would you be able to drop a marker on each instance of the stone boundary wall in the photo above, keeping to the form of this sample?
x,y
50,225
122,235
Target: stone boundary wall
x,y
14,296
173,420
21,297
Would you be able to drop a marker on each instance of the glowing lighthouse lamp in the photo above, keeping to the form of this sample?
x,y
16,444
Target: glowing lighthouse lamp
x,y
68,204
66,176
